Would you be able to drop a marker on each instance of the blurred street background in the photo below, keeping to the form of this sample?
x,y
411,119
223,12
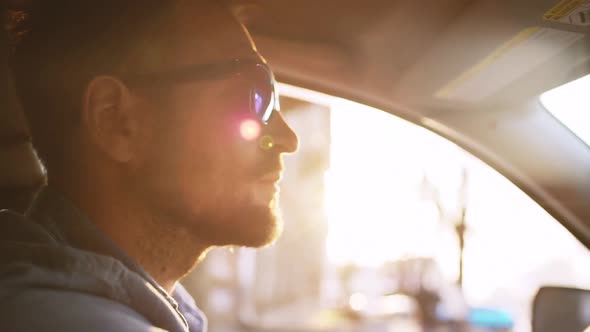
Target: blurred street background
x,y
388,227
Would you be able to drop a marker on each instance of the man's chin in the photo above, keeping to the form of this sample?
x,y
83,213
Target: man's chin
x,y
252,226
263,227
262,239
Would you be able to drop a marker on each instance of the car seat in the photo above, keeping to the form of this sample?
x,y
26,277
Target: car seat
x,y
21,173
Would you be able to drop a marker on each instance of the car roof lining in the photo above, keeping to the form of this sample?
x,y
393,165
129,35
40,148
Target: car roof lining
x,y
402,56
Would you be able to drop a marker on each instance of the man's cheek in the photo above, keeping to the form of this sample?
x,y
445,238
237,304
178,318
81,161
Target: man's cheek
x,y
237,154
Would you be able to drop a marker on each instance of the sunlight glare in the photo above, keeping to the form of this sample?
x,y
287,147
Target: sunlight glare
x,y
250,129
358,301
570,104
374,204
379,209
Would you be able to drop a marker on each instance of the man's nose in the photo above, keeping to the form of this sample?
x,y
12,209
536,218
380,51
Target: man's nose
x,y
284,138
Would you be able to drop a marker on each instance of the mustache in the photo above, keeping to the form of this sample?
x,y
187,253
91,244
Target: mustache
x,y
272,163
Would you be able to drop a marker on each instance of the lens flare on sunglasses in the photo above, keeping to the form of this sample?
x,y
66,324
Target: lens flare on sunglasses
x,y
250,129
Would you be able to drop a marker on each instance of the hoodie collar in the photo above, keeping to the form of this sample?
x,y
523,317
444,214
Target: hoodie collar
x,y
71,227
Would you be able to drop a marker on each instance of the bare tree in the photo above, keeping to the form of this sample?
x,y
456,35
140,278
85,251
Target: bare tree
x,y
454,217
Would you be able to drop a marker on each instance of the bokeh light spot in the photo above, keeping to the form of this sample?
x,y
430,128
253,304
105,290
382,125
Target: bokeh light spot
x,y
250,129
358,302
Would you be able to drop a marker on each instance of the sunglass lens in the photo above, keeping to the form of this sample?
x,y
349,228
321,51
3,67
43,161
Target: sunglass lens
x,y
262,99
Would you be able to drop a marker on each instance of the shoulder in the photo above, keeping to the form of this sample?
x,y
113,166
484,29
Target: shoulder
x,y
57,310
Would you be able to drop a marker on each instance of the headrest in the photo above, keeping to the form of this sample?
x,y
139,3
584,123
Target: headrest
x,y
20,169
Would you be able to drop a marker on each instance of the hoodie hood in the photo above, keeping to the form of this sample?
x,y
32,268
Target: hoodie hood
x,y
42,253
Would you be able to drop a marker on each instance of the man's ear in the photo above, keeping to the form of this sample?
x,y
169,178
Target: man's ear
x,y
108,117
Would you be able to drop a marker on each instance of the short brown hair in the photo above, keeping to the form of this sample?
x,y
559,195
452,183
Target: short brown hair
x,y
59,46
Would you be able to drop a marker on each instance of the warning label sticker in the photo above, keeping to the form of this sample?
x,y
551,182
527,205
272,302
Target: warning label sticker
x,y
576,12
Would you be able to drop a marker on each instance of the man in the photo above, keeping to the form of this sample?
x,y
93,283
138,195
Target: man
x,y
157,124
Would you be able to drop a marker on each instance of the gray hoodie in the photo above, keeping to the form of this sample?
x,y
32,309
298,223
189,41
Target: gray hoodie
x,y
58,272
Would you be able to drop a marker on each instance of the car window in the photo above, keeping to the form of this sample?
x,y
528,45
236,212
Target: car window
x,y
373,206
569,104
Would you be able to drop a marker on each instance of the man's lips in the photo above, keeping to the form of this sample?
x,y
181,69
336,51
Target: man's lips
x,y
273,177
269,184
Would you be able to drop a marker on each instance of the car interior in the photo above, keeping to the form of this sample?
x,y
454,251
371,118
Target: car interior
x,y
470,71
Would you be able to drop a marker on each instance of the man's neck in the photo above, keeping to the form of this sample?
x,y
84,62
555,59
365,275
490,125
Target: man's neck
x,y
165,251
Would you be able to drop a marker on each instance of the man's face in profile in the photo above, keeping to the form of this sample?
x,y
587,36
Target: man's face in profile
x,y
202,167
